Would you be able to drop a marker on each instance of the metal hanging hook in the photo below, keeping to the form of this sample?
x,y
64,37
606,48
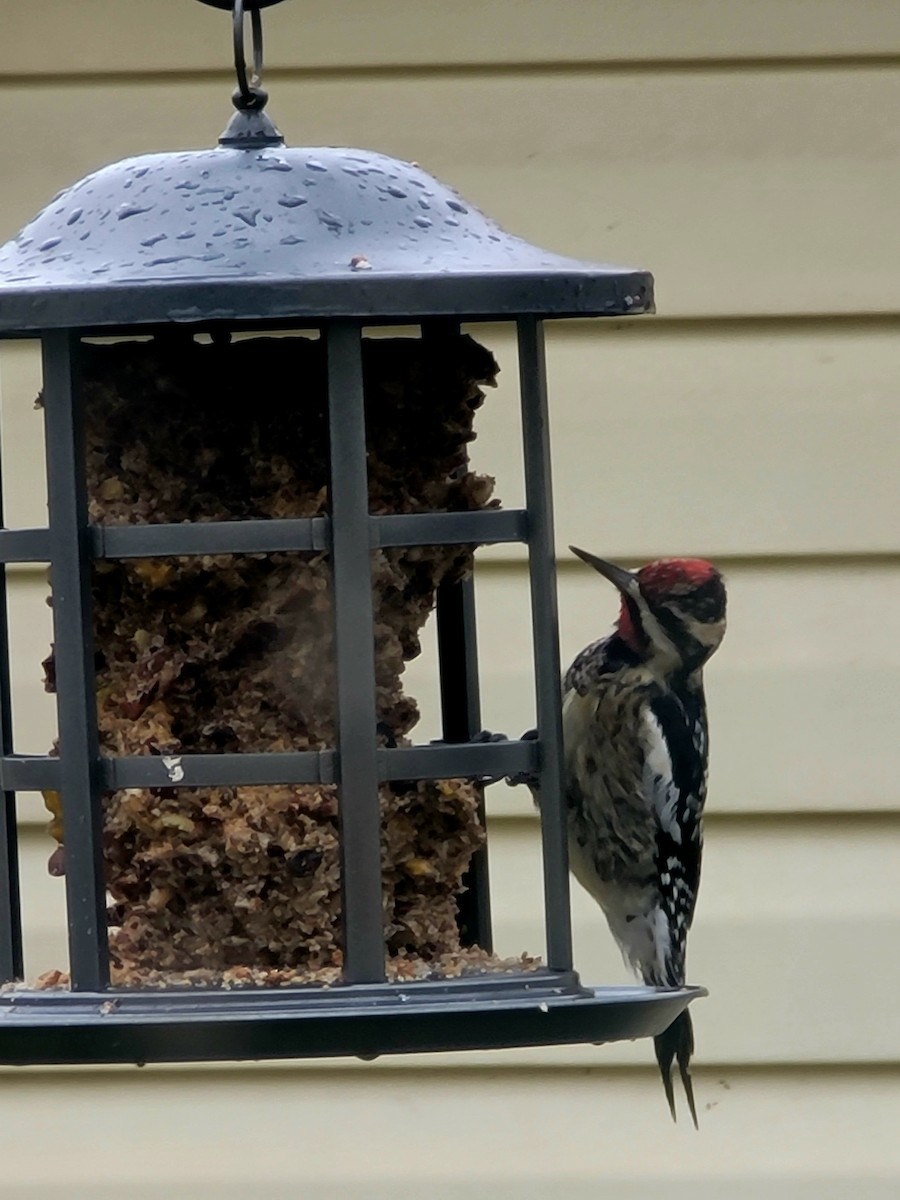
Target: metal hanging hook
x,y
249,95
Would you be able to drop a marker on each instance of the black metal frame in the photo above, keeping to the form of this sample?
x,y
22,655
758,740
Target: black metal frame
x,y
81,775
95,1023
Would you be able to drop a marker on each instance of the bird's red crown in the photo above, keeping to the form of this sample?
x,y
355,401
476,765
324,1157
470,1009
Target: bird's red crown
x,y
666,576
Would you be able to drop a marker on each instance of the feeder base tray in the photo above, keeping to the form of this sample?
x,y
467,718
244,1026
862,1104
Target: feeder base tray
x,y
365,1021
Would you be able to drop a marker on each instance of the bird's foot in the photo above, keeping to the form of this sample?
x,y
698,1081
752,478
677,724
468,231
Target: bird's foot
x,y
529,778
484,737
481,738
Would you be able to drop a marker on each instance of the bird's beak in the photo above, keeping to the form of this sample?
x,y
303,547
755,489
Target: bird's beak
x,y
625,581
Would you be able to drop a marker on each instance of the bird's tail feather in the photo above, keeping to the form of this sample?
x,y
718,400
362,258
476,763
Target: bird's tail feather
x,y
677,1044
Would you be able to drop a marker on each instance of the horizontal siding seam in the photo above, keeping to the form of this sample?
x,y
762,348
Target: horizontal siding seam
x,y
787,561
416,70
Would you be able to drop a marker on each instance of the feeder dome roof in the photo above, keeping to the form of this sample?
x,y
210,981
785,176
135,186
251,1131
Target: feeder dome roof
x,y
254,230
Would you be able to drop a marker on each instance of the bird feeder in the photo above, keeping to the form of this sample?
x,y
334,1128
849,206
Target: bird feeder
x,y
245,535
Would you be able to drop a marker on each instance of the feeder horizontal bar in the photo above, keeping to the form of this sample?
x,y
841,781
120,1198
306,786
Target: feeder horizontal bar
x,y
218,770
283,535
35,773
24,545
461,759
210,537
485,527
29,773
26,773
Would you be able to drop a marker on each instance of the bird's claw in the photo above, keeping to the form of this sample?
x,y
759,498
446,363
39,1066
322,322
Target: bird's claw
x,y
482,738
529,778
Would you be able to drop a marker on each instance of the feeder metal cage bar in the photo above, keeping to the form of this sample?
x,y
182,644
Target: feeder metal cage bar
x,y
457,639
11,957
545,622
70,561
351,564
461,713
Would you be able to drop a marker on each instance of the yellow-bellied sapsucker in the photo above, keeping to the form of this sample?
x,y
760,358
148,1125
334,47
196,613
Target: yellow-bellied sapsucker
x,y
635,742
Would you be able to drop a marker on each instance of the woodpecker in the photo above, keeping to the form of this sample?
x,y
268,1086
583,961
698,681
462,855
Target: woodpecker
x,y
635,747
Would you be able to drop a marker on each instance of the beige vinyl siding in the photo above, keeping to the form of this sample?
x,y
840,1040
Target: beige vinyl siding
x,y
44,38
455,1134
747,153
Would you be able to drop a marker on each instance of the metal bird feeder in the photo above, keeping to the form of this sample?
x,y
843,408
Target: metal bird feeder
x,y
250,237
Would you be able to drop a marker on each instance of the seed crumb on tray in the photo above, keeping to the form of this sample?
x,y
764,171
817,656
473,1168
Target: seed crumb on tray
x,y
400,968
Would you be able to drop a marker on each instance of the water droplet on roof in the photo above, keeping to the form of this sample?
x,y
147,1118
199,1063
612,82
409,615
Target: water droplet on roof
x,y
131,210
271,162
292,201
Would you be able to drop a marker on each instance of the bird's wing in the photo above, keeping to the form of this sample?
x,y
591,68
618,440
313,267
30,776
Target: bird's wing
x,y
675,784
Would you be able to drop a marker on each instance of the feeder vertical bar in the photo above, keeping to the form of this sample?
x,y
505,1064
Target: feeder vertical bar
x,y
458,656
11,953
11,956
545,627
461,718
76,697
461,702
351,564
